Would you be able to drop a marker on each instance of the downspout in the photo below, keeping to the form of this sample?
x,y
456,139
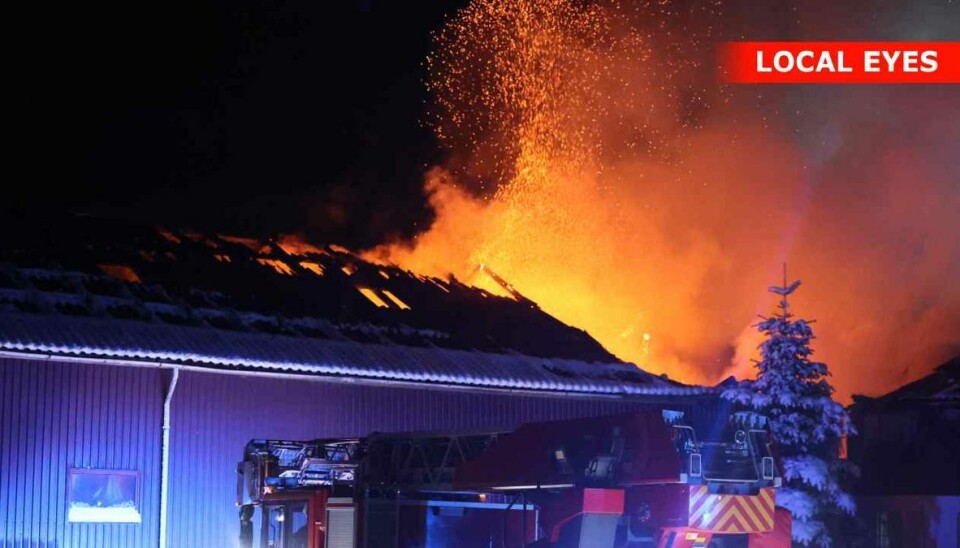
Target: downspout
x,y
165,456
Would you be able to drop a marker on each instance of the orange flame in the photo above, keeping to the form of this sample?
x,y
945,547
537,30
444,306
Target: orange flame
x,y
656,229
294,244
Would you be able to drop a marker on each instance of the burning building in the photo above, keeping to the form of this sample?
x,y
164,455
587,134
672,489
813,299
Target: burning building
x,y
136,363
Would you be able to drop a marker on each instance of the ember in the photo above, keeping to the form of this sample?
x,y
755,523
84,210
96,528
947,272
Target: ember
x,y
294,244
316,268
586,171
120,272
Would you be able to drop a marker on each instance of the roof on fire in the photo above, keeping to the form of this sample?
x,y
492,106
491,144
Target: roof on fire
x,y
115,290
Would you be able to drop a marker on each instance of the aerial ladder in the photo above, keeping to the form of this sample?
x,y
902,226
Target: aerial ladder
x,y
643,479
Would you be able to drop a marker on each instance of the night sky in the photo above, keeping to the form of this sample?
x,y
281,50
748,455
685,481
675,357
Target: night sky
x,y
265,117
252,117
297,116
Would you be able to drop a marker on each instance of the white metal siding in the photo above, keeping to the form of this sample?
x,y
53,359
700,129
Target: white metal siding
x,y
340,528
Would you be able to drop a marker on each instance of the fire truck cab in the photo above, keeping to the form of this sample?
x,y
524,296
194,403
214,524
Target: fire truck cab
x,y
644,479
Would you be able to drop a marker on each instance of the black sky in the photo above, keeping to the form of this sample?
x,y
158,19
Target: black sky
x,y
253,117
259,117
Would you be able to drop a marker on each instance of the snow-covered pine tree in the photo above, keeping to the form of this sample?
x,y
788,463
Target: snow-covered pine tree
x,y
793,392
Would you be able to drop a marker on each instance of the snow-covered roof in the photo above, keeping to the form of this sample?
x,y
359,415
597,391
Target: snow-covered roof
x,y
61,335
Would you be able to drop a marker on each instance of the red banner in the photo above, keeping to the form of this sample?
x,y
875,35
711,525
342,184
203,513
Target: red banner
x,y
840,62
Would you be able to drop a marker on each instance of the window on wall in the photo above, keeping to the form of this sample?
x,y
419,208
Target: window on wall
x,y
97,495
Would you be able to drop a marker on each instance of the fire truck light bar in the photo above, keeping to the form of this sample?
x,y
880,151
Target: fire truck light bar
x,y
521,487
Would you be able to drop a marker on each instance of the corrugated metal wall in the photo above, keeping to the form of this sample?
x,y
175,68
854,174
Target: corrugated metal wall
x,y
56,416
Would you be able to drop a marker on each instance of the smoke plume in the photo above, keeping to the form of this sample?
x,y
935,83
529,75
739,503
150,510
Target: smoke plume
x,y
596,165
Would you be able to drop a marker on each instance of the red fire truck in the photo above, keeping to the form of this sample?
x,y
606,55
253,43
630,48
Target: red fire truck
x,y
633,480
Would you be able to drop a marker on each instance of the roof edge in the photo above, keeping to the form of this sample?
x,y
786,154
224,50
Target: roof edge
x,y
309,376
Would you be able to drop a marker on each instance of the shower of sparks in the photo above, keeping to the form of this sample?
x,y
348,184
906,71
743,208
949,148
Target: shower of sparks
x,y
542,95
534,88
595,165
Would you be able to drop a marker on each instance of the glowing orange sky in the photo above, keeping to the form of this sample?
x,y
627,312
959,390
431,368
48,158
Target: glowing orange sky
x,y
597,171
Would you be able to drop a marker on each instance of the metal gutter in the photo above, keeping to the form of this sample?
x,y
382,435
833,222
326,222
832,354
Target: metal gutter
x,y
315,377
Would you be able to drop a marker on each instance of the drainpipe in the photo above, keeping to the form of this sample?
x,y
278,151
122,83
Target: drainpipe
x,y
165,456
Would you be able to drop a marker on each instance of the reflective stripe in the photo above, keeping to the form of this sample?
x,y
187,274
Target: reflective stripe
x,y
731,513
763,512
746,505
697,493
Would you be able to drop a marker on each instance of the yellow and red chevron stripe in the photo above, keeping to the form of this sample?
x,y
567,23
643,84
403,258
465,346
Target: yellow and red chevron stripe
x,y
731,513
